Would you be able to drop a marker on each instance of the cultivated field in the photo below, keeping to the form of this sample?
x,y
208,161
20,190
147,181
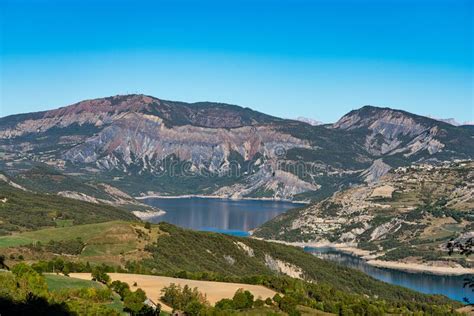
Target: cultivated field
x,y
152,286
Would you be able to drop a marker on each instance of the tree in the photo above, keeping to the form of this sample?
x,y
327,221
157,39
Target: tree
x,y
99,274
180,298
464,247
134,301
243,299
22,269
30,280
66,270
147,225
288,305
277,298
258,303
193,308
225,304
121,288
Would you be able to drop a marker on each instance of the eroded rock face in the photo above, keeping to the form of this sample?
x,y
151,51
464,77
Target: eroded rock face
x,y
283,267
148,139
120,137
377,170
138,133
391,131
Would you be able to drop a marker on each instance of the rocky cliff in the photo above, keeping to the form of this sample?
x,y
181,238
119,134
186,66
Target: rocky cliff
x,y
141,144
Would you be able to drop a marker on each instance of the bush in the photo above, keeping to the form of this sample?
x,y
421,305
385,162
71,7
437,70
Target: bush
x,y
288,305
70,247
121,288
134,301
258,303
225,304
99,274
194,308
243,299
182,298
25,292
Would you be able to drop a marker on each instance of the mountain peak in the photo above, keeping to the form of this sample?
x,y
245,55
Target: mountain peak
x,y
369,115
116,104
172,113
389,131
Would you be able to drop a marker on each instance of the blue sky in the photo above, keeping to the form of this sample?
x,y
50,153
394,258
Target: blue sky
x,y
317,59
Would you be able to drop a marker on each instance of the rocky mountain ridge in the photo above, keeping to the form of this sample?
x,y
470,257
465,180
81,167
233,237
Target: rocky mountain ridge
x,y
139,143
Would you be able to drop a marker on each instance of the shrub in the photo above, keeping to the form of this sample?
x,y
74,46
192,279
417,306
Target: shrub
x,y
121,288
134,301
288,305
225,304
180,297
243,299
258,303
99,274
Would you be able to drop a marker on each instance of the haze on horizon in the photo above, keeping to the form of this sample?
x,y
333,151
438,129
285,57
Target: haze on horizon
x,y
317,59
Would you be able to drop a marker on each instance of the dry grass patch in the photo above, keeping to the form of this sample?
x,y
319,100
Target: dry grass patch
x,y
152,285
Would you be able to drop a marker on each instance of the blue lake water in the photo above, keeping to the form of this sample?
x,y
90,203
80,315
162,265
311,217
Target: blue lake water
x,y
238,217
451,286
235,217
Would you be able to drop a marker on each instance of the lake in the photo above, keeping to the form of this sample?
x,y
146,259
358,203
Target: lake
x,y
235,217
238,217
451,286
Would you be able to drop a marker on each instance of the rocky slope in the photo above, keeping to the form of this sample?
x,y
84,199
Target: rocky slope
x,y
141,144
409,214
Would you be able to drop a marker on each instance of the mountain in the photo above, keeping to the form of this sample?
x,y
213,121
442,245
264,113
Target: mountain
x,y
450,120
409,215
308,120
144,145
395,133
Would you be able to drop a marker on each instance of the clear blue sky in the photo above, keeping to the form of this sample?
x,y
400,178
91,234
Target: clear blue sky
x,y
318,59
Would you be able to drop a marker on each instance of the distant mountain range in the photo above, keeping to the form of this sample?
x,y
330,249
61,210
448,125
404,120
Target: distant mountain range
x,y
144,145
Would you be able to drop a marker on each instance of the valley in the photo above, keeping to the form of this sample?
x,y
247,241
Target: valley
x,y
111,185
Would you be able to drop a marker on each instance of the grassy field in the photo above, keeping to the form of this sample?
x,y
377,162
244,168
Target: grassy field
x,y
64,222
65,233
110,242
13,241
59,282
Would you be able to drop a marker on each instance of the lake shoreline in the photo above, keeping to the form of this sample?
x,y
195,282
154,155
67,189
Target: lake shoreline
x,y
216,197
371,259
